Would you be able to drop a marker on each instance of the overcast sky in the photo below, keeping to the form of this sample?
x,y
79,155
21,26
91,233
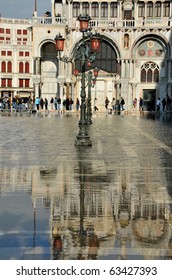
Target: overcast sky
x,y
23,8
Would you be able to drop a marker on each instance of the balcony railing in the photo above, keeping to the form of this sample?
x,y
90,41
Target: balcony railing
x,y
113,23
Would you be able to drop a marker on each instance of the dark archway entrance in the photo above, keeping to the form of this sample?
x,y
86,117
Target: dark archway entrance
x,y
106,59
149,97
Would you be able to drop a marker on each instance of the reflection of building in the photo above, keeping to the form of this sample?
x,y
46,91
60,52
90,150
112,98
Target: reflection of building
x,y
90,222
135,59
15,180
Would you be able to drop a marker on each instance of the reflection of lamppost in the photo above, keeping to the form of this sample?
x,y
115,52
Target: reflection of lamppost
x,y
86,53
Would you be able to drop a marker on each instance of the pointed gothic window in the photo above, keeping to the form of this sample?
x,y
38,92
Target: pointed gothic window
x,y
150,73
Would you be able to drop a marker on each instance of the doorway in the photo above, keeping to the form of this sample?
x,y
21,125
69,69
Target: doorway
x,y
149,99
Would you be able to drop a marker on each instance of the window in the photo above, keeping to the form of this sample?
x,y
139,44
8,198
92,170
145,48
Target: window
x,y
27,83
166,9
85,8
21,67
3,52
141,11
9,82
3,82
9,67
1,38
95,10
150,73
26,53
149,9
3,67
158,9
20,82
1,30
7,31
19,31
113,9
27,67
9,53
76,9
104,10
20,53
24,32
24,82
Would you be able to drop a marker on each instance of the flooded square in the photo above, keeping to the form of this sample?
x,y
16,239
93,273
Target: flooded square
x,y
109,201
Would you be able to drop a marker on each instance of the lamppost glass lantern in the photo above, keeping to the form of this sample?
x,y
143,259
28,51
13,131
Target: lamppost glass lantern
x,y
96,72
59,42
84,22
95,43
75,72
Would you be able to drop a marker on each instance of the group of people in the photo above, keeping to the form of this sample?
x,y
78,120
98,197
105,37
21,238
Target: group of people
x,y
110,105
56,104
166,104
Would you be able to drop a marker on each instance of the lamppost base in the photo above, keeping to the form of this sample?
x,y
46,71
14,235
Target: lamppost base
x,y
83,141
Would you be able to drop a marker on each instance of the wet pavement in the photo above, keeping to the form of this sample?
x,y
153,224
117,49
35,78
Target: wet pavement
x,y
109,201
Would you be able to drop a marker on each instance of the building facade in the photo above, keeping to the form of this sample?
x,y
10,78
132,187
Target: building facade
x,y
135,59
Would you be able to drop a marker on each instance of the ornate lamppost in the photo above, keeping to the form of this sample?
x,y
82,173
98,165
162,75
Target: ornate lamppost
x,y
87,53
91,81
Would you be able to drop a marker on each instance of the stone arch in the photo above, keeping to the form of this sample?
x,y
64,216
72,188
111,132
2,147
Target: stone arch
x,y
158,39
108,59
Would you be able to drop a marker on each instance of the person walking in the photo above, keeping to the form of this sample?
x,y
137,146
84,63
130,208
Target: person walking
x,y
37,103
70,103
77,105
95,104
164,104
122,104
58,103
113,103
55,103
135,104
42,103
67,104
106,103
52,103
158,103
46,104
141,104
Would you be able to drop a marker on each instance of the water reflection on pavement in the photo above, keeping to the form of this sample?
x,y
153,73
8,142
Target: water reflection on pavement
x,y
110,201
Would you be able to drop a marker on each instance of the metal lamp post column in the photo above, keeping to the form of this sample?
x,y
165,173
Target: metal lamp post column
x,y
89,112
82,138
